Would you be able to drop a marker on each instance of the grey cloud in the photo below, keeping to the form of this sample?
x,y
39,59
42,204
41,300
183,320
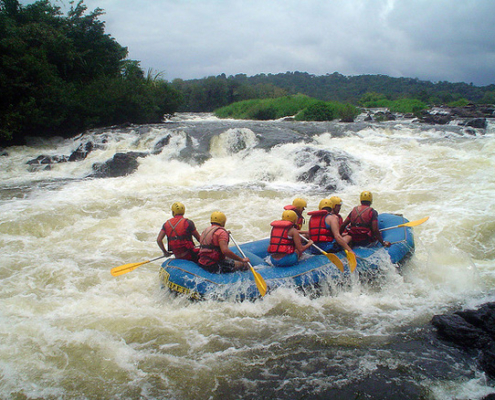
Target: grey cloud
x,y
430,40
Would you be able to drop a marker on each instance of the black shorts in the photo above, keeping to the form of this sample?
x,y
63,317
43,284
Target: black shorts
x,y
221,267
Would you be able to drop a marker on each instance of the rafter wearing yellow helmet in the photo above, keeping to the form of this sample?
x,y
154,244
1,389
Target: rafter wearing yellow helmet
x,y
362,223
179,232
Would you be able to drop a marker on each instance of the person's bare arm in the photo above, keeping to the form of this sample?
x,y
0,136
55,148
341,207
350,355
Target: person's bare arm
x,y
159,241
224,247
377,234
334,225
294,233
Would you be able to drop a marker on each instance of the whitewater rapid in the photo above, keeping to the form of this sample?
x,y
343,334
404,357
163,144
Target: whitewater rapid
x,y
71,330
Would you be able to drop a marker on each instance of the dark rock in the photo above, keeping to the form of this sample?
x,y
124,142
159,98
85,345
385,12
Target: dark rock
x,y
479,123
483,318
471,330
44,163
157,149
121,164
310,174
320,163
384,116
456,329
40,160
440,119
81,152
487,361
347,119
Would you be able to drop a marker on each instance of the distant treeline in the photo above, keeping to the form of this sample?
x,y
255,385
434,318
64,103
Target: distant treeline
x,y
210,93
62,74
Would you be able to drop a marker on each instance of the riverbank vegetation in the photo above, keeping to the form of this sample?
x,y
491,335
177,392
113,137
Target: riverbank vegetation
x,y
302,107
60,75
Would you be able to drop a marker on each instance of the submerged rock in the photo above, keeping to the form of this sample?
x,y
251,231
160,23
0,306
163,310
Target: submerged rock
x,y
121,164
473,331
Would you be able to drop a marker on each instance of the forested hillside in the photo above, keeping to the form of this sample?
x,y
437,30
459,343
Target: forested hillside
x,y
63,74
213,92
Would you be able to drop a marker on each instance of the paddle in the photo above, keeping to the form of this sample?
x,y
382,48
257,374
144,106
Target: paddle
x,y
331,257
260,282
412,223
351,258
124,269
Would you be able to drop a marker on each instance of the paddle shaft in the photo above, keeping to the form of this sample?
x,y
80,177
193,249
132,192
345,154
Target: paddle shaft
x,y
331,257
258,279
240,250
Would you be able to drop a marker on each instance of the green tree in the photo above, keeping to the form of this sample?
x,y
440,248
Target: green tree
x,y
62,74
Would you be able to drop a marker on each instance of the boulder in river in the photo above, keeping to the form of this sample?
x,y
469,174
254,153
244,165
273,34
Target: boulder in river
x,y
473,331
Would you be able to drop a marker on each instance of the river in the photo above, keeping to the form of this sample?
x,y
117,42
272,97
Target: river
x,y
69,330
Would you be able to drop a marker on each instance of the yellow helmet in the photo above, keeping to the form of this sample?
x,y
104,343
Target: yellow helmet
x,y
325,203
366,196
289,215
218,218
299,203
336,201
178,209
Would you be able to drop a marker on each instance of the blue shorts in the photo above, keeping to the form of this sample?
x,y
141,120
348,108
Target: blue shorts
x,y
286,261
327,247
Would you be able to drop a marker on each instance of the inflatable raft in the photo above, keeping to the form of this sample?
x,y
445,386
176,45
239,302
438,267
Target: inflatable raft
x,y
312,271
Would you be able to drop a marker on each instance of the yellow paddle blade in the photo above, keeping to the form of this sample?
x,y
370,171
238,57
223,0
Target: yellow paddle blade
x,y
334,259
410,224
260,282
351,258
124,269
415,223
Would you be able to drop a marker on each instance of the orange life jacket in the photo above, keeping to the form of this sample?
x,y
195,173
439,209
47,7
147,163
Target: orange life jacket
x,y
178,238
279,238
360,223
209,252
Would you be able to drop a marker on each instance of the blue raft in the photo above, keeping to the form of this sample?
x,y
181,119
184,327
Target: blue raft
x,y
312,271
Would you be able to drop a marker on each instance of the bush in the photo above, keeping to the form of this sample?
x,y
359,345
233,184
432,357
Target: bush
x,y
303,107
320,111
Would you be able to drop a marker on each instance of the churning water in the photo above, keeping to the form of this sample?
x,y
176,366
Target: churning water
x,y
70,330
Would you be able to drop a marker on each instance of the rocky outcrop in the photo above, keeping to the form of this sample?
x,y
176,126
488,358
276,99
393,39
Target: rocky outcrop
x,y
44,162
121,164
472,115
473,331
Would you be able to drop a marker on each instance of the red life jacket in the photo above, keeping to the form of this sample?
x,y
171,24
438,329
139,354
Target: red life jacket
x,y
178,238
318,231
279,238
209,253
300,219
360,223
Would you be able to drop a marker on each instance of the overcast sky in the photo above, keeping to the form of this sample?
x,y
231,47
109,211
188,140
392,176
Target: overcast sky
x,y
436,40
